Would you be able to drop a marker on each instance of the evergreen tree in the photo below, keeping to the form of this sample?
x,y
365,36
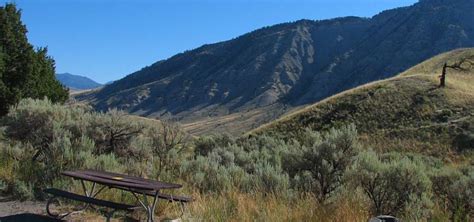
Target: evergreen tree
x,y
24,71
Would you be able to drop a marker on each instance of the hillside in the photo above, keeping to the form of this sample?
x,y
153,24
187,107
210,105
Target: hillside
x,y
76,82
406,112
261,75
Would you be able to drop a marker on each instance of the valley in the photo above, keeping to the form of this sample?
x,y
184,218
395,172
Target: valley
x,y
342,119
286,66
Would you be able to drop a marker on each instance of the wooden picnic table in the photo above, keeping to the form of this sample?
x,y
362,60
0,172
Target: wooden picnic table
x,y
140,188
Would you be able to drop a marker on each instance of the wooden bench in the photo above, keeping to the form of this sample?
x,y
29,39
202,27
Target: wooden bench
x,y
173,198
169,197
88,200
139,187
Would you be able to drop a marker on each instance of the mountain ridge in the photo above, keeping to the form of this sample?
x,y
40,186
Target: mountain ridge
x,y
76,82
290,64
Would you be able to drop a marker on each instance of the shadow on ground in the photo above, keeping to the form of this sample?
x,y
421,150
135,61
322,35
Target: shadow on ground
x,y
28,218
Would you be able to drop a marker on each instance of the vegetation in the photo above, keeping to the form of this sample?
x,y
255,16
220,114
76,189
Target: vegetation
x,y
401,146
405,113
24,71
324,175
43,139
392,186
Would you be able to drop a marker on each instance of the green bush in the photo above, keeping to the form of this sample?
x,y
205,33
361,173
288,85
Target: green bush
x,y
253,164
168,144
45,139
315,162
318,165
399,188
113,132
464,141
204,145
39,139
454,190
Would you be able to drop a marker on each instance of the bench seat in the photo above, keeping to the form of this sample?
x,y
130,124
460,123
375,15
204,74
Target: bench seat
x,y
89,200
169,197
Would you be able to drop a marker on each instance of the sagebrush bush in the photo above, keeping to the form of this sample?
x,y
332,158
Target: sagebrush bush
x,y
45,139
250,165
400,188
454,190
205,144
313,163
318,165
329,171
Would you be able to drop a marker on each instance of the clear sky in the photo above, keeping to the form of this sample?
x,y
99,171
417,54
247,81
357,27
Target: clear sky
x,y
108,39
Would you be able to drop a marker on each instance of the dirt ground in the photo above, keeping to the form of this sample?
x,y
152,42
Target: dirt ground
x,y
10,207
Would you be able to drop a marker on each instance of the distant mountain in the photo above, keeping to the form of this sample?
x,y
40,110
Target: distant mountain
x,y
77,82
260,75
405,112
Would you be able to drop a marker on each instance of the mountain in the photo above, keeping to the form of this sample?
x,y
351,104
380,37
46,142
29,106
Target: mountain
x,y
408,112
77,82
239,84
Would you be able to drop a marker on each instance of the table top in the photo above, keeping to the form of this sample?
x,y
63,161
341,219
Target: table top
x,y
120,180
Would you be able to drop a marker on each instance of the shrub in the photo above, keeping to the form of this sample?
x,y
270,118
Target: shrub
x,y
395,187
322,159
113,132
249,165
204,145
316,162
44,139
168,142
464,141
455,192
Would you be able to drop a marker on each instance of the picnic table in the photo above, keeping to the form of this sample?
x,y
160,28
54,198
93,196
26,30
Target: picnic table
x,y
140,188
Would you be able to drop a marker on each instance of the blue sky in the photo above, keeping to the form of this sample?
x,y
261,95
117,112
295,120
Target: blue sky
x,y
108,39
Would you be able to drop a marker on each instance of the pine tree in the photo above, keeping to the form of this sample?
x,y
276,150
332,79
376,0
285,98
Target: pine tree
x,y
24,71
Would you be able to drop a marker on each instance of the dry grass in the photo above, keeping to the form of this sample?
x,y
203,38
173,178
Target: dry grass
x,y
236,206
404,113
427,70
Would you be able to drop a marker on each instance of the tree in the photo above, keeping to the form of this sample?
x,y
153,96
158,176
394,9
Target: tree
x,y
24,71
457,66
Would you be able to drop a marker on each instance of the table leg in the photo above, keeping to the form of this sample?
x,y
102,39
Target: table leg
x,y
150,209
90,193
86,193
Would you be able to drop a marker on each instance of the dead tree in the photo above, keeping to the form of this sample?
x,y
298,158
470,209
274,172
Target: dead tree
x,y
456,66
442,77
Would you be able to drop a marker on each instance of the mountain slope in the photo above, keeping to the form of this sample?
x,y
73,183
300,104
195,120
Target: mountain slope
x,y
407,112
274,69
76,82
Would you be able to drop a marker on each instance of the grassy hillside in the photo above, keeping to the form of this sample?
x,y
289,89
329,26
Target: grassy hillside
x,y
312,176
231,84
407,112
